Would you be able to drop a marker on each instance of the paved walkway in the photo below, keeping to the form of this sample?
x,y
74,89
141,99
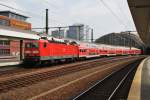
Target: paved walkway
x,y
145,82
9,63
140,88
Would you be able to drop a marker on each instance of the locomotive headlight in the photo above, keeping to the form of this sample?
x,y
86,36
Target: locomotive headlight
x,y
35,52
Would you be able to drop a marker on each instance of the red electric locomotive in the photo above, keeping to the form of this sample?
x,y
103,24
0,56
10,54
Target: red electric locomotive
x,y
50,49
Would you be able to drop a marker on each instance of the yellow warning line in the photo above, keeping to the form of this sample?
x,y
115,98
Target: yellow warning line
x,y
135,90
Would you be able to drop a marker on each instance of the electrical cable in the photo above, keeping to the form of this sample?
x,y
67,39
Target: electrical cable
x,y
36,16
113,13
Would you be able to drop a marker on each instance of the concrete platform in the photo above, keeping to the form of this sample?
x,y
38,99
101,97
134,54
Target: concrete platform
x,y
9,64
9,61
140,88
7,57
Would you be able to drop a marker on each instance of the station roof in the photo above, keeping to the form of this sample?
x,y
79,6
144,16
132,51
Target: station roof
x,y
17,34
140,10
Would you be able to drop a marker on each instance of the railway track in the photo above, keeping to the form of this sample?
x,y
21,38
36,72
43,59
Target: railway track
x,y
10,71
14,70
113,87
27,79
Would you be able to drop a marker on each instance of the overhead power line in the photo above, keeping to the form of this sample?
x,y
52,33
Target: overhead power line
x,y
113,13
26,12
51,5
122,10
46,1
36,16
123,13
12,8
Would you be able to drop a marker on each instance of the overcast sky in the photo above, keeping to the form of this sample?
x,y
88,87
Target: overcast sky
x,y
67,12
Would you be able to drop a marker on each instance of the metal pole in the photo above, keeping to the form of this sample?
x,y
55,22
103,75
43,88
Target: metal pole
x,y
124,43
21,50
130,40
47,27
59,28
92,35
110,39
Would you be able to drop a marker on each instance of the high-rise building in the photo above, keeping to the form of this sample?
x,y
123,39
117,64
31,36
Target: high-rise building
x,y
78,32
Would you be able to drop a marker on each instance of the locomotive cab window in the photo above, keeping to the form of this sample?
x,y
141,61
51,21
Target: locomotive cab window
x,y
45,45
32,45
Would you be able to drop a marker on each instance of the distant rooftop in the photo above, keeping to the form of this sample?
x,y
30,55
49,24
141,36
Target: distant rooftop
x,y
121,39
14,15
76,25
7,11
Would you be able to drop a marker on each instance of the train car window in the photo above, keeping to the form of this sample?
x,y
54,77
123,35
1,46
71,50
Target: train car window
x,y
44,38
45,44
35,45
31,45
27,45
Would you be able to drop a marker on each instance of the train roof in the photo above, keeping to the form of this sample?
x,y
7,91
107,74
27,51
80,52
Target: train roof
x,y
89,44
49,38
